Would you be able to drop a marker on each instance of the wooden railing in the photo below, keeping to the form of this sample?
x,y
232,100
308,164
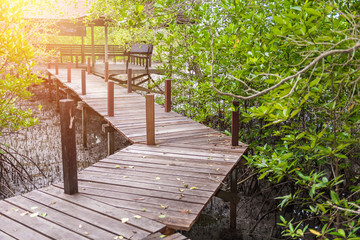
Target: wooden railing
x,y
83,51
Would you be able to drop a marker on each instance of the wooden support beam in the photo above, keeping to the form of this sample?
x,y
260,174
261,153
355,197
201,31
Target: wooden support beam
x,y
167,95
235,124
69,72
150,119
68,144
82,106
227,196
233,204
83,82
106,58
106,72
110,98
129,80
88,66
76,62
107,128
57,67
93,47
57,94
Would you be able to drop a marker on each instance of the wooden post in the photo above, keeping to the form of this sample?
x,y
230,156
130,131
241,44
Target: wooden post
x,y
167,95
110,98
92,46
49,65
129,80
82,50
88,66
82,107
233,187
111,138
235,124
83,82
49,84
57,94
57,67
68,144
69,72
106,59
150,119
106,72
77,62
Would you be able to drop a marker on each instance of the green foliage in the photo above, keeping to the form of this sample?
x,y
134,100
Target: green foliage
x,y
295,66
16,61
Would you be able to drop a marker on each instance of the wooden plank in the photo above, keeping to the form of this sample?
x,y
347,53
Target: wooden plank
x,y
143,224
4,236
19,231
104,222
37,223
67,221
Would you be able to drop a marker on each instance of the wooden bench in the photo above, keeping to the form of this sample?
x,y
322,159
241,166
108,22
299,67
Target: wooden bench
x,y
140,54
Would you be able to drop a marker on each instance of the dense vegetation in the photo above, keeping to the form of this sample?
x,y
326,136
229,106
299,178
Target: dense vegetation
x,y
294,66
17,57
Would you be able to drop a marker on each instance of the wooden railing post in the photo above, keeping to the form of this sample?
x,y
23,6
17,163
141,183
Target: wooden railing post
x,y
82,106
69,72
68,144
110,98
106,72
88,66
235,124
57,67
167,95
49,65
77,62
233,204
129,80
110,131
83,82
150,119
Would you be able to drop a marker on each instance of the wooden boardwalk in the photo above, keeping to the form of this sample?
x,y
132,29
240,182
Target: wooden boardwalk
x,y
167,184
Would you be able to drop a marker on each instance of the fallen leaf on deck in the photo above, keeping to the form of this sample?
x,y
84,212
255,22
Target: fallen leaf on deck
x,y
210,158
33,208
124,220
181,196
52,203
35,214
143,210
15,209
186,185
193,188
162,216
131,166
162,236
227,159
178,179
164,206
126,176
187,211
157,145
83,189
137,216
80,226
24,213
86,233
144,156
157,178
181,190
139,199
43,214
117,166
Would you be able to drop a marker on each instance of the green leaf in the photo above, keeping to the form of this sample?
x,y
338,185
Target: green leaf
x,y
313,11
334,197
279,20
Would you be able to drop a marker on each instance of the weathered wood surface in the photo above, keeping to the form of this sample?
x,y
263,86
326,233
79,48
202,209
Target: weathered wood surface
x,y
120,68
176,177
168,183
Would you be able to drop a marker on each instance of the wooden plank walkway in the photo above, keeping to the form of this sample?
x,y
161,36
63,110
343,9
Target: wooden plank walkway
x,y
166,184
